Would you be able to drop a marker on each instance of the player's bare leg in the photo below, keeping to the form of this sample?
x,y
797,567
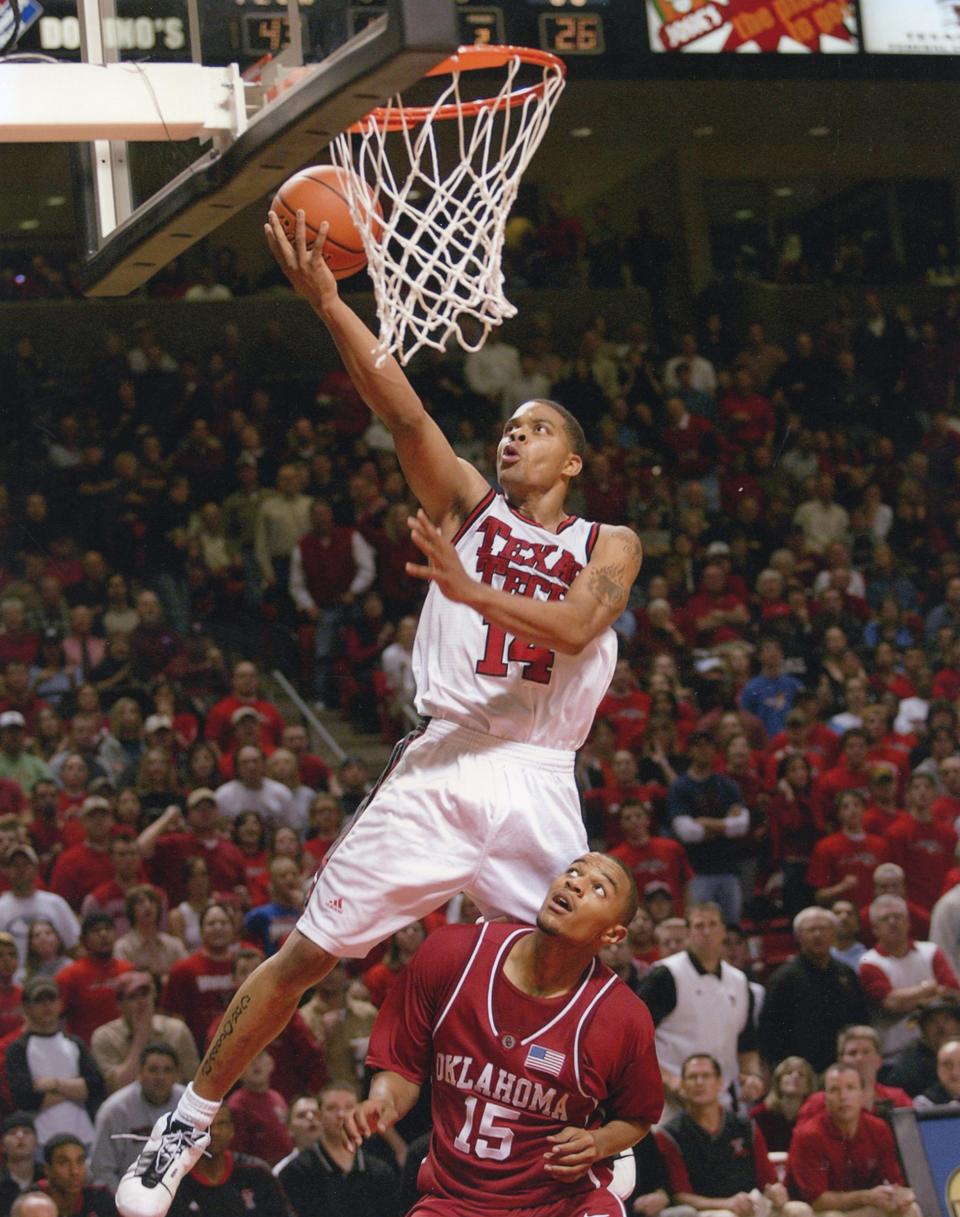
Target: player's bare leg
x,y
261,1008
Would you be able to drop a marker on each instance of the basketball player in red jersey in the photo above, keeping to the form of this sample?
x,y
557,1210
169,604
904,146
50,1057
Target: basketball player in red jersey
x,y
513,652
524,1036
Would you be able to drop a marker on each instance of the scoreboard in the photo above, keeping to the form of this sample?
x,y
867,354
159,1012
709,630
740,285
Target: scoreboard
x,y
607,39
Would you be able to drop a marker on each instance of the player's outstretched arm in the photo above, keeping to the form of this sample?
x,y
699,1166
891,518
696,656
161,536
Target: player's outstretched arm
x,y
574,1150
391,1097
595,600
444,484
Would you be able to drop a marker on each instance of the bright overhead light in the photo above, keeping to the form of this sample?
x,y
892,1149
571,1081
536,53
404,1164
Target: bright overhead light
x,y
784,192
29,225
702,132
744,213
581,132
819,132
56,200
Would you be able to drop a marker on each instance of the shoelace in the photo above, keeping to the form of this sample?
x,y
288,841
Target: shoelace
x,y
165,1153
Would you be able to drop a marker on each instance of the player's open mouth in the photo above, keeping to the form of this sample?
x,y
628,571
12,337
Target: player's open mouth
x,y
509,455
561,902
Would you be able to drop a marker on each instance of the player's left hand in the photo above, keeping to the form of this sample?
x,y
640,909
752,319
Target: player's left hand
x,y
445,568
574,1151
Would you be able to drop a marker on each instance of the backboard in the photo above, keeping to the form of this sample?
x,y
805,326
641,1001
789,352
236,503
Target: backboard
x,y
315,79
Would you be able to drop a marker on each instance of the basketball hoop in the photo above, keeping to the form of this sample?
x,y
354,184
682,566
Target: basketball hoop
x,y
437,260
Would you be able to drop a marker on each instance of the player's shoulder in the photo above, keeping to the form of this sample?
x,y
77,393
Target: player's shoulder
x,y
619,538
621,1007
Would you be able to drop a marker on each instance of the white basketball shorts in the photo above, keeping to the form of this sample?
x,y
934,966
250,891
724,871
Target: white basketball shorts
x,y
456,810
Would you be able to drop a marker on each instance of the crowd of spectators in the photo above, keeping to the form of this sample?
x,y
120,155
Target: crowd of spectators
x,y
777,753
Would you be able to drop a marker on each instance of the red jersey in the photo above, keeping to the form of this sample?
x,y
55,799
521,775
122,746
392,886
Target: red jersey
x,y
878,821
197,991
834,782
925,851
260,1122
509,1070
821,742
78,870
946,809
660,858
627,714
88,989
224,860
839,855
823,1160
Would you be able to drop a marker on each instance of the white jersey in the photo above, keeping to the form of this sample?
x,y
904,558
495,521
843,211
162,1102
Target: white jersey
x,y
472,672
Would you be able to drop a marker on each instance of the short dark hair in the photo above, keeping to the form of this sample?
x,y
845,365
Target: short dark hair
x,y
701,1056
576,436
632,897
57,1141
93,920
159,1048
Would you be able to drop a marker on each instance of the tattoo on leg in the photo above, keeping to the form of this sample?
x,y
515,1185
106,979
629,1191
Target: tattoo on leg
x,y
227,1028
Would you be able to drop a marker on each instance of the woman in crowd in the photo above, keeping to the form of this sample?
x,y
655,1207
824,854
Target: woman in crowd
x,y
184,920
145,945
792,1084
46,955
401,948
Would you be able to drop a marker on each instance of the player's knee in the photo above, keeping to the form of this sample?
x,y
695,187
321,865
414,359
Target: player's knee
x,y
300,963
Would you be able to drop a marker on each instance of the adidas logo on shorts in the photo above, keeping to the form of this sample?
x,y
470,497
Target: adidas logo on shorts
x,y
335,904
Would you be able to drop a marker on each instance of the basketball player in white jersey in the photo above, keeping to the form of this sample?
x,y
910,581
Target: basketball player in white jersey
x,y
512,656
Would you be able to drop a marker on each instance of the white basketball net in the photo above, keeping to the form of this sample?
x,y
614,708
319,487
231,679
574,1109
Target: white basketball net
x,y
437,260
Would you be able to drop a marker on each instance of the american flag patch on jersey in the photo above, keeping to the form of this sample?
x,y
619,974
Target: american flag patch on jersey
x,y
545,1059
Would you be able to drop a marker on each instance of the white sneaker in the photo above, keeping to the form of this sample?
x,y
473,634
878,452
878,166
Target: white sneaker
x,y
151,1182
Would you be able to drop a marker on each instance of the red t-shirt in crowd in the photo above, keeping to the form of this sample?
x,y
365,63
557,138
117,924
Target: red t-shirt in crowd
x,y
834,782
627,713
111,898
926,852
197,990
839,855
88,988
260,1124
508,1070
946,809
224,862
822,1160
820,741
299,1062
314,772
660,858
79,869
878,821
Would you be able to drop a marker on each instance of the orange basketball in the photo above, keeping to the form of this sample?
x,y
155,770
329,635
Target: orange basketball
x,y
321,192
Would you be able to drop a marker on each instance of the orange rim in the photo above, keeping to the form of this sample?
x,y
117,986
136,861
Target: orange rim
x,y
468,59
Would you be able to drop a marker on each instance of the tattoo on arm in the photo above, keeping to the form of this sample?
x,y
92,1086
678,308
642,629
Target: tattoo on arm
x,y
606,585
227,1028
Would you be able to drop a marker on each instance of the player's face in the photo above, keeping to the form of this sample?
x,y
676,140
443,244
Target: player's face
x,y
586,903
534,448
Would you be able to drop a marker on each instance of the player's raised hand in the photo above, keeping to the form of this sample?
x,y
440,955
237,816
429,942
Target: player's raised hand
x,y
369,1117
445,568
573,1151
306,269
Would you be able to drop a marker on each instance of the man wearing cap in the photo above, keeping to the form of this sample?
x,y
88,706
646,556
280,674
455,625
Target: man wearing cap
x,y
771,694
24,903
86,865
252,790
88,986
51,1073
651,860
20,1171
166,845
707,814
117,1046
244,692
915,1068
132,1111
946,1089
16,762
245,724
158,733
